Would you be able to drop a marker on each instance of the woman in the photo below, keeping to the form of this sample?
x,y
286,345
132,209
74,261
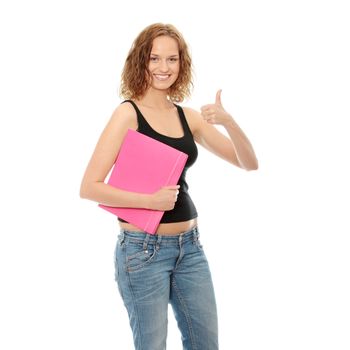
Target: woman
x,y
170,266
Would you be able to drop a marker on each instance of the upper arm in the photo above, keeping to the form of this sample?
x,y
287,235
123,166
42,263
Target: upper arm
x,y
108,145
208,136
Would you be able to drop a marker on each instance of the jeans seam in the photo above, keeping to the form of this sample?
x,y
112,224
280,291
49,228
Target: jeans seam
x,y
136,313
185,311
137,334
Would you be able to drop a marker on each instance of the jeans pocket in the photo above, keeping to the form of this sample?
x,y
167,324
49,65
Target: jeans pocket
x,y
118,266
117,257
116,272
138,257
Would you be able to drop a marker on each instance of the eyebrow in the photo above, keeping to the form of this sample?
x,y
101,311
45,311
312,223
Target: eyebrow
x,y
154,54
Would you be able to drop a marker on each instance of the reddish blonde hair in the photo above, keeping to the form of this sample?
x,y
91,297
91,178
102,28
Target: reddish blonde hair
x,y
135,74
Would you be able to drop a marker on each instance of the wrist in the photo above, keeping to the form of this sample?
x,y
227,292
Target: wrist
x,y
229,123
146,201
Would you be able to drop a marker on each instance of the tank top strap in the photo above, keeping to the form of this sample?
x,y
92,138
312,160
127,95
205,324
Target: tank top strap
x,y
183,119
142,122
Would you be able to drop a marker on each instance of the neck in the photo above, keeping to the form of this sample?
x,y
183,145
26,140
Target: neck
x,y
155,99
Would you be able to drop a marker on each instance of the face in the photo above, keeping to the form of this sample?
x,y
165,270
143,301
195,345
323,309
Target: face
x,y
164,62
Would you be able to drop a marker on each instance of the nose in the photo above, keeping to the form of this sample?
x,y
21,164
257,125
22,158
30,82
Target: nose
x,y
163,65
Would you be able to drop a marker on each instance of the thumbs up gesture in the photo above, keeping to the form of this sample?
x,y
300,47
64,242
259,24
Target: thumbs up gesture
x,y
215,113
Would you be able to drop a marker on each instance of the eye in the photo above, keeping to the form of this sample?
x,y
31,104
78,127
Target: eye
x,y
174,59
154,59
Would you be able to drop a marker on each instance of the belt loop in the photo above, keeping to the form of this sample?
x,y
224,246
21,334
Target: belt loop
x,y
121,236
159,239
145,242
195,234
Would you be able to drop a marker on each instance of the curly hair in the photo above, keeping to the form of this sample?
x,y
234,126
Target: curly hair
x,y
135,74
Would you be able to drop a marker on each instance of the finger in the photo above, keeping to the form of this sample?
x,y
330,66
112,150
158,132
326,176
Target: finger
x,y
207,119
207,111
208,115
206,107
173,187
211,120
218,98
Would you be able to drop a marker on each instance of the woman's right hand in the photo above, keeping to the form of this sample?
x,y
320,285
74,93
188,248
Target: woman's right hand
x,y
165,198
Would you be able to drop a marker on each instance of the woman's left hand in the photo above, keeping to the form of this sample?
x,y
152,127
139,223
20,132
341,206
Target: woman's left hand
x,y
215,113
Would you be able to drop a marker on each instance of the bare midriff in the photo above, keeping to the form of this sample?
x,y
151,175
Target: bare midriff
x,y
173,228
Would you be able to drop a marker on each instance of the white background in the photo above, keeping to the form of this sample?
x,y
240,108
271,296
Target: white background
x,y
277,239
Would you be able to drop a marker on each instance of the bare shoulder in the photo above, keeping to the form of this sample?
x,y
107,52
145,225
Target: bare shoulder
x,y
123,118
125,114
108,145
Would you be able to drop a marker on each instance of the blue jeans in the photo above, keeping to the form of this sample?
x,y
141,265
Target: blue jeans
x,y
153,271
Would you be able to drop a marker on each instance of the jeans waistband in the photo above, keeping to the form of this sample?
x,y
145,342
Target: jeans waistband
x,y
191,235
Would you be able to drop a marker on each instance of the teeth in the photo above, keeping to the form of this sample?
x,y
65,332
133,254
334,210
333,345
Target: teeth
x,y
162,77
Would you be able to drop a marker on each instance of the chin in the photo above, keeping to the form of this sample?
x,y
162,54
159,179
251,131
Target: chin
x,y
162,86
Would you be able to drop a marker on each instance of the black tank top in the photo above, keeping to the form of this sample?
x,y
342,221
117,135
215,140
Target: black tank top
x,y
184,207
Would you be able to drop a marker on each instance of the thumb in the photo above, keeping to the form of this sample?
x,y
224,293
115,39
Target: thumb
x,y
172,187
218,98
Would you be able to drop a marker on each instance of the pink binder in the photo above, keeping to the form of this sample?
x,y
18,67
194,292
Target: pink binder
x,y
144,165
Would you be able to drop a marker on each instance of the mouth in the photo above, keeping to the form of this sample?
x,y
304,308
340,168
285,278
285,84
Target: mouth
x,y
162,77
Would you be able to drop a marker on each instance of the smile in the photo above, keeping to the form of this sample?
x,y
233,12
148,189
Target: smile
x,y
162,77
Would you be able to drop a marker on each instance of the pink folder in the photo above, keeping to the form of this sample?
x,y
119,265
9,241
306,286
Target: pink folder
x,y
144,165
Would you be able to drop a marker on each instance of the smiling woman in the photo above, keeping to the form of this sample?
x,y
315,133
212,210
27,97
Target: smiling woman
x,y
170,266
154,51
164,68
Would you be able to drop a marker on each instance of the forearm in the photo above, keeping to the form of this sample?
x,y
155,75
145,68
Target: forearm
x,y
243,148
114,197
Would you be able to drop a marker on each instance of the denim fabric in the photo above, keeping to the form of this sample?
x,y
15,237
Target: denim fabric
x,y
153,271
